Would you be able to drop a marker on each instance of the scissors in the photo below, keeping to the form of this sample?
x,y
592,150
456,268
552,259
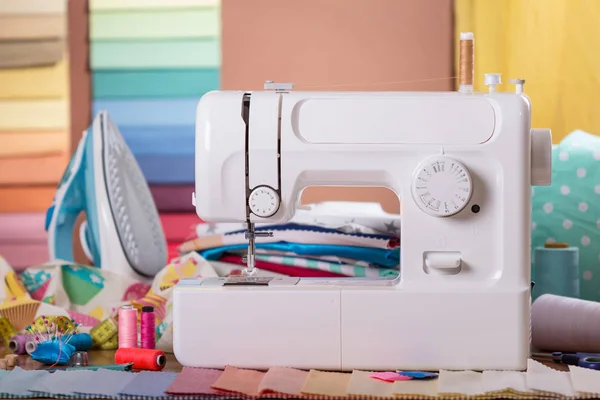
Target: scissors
x,y
583,360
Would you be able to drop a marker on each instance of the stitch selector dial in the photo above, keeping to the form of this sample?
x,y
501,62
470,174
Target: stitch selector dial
x,y
442,186
264,201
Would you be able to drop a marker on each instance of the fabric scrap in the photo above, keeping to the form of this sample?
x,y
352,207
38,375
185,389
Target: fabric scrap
x,y
18,382
468,383
585,380
194,381
282,380
505,382
545,379
237,380
419,374
361,384
389,376
61,382
333,384
422,388
149,384
105,383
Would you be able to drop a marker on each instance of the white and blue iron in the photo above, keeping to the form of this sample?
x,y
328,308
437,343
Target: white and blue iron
x,y
123,232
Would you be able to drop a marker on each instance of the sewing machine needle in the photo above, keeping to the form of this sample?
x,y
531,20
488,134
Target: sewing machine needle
x,y
250,258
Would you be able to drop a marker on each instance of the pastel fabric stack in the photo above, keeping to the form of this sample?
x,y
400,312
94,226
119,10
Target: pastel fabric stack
x,y
34,102
151,62
34,122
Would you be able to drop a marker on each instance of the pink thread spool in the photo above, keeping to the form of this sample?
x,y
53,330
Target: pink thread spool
x,y
148,328
127,327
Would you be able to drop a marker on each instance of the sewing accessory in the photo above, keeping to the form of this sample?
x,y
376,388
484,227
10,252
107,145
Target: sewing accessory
x,y
148,328
104,331
463,163
111,344
583,360
113,367
142,359
7,332
389,376
52,345
12,360
17,343
556,270
418,374
128,333
565,324
122,233
3,364
79,359
81,341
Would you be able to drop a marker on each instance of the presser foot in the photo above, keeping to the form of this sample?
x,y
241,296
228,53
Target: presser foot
x,y
249,258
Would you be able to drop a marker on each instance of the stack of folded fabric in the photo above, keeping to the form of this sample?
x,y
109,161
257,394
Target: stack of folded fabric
x,y
151,62
34,122
331,239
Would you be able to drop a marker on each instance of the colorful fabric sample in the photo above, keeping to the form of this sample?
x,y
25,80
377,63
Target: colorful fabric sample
x,y
165,83
27,144
160,140
194,381
96,5
33,26
281,380
190,53
29,7
149,384
237,380
167,169
153,24
31,53
174,198
323,383
35,82
26,198
42,170
28,115
150,112
362,384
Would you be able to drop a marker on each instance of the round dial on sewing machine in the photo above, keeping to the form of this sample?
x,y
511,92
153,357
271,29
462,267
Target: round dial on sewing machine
x,y
442,186
264,201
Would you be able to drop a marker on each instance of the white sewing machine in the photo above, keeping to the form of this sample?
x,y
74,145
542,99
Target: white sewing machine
x,y
462,164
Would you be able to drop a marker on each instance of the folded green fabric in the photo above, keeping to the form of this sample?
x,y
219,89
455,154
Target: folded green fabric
x,y
150,24
155,83
165,54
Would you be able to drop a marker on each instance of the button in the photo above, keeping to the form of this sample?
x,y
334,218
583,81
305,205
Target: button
x,y
442,262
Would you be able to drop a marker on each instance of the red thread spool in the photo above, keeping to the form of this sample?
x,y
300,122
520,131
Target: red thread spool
x,y
142,359
148,328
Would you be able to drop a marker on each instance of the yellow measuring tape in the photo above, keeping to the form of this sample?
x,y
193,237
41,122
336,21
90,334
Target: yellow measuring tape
x,y
104,331
6,331
111,344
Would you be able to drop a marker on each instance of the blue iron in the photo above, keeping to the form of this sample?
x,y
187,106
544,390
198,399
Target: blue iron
x,y
122,232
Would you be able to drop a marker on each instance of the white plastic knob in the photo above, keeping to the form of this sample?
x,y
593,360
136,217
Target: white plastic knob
x,y
491,80
541,157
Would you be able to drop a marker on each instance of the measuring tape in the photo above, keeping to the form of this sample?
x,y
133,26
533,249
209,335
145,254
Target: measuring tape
x,y
6,331
104,331
111,344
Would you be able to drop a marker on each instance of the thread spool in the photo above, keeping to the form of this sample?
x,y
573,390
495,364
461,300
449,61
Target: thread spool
x,y
556,270
466,62
142,359
81,341
128,333
565,324
30,346
148,328
17,343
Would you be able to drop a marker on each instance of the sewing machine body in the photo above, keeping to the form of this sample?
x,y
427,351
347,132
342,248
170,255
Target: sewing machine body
x,y
463,298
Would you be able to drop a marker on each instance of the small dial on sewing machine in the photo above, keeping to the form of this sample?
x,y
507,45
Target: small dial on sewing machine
x,y
442,186
264,201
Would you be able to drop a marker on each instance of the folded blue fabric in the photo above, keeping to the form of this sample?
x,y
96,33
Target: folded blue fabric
x,y
150,384
62,382
105,383
386,258
161,112
18,382
160,140
167,169
155,83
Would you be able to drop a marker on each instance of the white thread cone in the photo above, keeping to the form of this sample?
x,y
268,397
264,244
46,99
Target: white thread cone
x,y
565,324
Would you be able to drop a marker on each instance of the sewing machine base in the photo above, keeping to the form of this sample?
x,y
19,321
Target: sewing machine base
x,y
349,324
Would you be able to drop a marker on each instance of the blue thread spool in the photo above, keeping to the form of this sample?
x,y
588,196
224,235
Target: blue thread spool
x,y
81,341
556,270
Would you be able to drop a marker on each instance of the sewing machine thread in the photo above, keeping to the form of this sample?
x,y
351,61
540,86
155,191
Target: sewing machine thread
x,y
142,359
467,62
148,328
17,343
128,327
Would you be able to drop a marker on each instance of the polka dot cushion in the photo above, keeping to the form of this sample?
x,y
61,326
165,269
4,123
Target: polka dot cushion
x,y
569,209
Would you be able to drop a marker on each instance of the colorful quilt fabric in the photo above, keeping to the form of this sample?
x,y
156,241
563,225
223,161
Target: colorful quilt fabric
x,y
90,295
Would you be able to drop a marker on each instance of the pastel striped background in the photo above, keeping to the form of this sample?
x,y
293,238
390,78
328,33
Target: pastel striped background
x,y
151,62
34,122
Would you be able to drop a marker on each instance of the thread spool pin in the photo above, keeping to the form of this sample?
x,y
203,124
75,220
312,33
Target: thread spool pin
x,y
519,82
491,80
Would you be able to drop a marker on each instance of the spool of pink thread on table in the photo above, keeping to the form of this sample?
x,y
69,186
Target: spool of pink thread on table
x,y
148,328
128,332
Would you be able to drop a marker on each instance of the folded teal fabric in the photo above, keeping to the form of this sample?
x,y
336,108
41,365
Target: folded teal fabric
x,y
155,83
152,24
131,54
154,112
